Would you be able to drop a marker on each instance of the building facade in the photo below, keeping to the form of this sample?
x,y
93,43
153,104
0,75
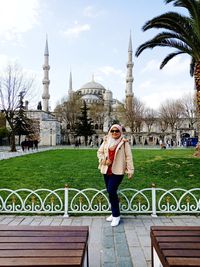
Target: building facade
x,y
94,93
51,130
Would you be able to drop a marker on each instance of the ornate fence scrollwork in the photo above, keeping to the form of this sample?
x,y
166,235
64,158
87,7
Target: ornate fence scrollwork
x,y
93,201
31,201
179,200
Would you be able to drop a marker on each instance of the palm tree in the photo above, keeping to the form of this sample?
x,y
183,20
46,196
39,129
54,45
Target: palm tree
x,y
182,33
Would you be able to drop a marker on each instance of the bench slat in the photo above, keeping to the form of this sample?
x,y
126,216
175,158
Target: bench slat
x,y
44,228
182,262
176,233
41,253
46,239
70,261
175,228
39,233
42,246
180,239
179,245
181,253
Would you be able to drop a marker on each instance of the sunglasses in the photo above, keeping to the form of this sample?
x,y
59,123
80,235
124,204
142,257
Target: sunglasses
x,y
115,131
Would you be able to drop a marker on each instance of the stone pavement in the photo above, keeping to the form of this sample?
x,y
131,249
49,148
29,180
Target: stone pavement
x,y
127,245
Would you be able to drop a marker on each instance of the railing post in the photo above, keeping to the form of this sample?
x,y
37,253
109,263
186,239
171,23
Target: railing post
x,y
153,196
66,201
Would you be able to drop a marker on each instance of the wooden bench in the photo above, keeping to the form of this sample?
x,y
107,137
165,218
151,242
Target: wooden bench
x,y
44,245
175,246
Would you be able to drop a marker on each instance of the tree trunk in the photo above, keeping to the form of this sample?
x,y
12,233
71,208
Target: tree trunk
x,y
86,140
197,86
12,142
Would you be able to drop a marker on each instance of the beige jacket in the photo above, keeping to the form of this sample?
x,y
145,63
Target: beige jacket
x,y
122,163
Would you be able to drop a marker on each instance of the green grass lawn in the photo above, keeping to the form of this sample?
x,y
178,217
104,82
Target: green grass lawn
x,y
78,168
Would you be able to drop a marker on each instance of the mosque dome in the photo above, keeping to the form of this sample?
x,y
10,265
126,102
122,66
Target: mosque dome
x,y
92,92
116,104
93,85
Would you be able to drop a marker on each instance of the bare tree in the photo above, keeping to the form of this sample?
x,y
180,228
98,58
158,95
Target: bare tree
x,y
149,118
97,113
135,117
12,83
189,108
67,113
170,113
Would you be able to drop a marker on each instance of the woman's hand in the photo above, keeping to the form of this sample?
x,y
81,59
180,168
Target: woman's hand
x,y
108,162
130,176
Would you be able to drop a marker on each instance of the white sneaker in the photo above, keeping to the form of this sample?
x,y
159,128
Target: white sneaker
x,y
110,218
115,221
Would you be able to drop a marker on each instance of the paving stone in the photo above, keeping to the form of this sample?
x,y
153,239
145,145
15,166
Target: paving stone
x,y
108,231
165,220
119,228
86,221
120,237
16,221
140,230
77,221
147,253
132,238
157,221
95,254
148,225
178,222
108,255
122,249
108,241
36,221
145,241
109,264
27,220
66,221
7,220
96,229
137,256
56,221
2,218
124,262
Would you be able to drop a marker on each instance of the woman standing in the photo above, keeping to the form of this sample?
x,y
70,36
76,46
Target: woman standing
x,y
115,159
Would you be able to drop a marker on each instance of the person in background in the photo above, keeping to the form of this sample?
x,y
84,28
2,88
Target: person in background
x,y
115,159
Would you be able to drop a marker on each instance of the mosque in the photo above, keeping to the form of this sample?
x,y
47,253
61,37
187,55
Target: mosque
x,y
49,127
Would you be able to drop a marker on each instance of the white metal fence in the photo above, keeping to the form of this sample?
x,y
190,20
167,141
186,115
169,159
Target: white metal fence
x,y
68,201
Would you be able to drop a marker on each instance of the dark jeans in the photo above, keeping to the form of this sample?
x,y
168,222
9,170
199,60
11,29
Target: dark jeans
x,y
112,183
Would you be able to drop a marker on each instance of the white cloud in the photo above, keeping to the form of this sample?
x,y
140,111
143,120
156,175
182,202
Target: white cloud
x,y
109,70
76,30
146,84
4,60
157,94
17,17
90,12
151,66
177,65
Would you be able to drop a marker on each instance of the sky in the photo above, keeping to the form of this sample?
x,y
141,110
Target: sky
x,y
90,37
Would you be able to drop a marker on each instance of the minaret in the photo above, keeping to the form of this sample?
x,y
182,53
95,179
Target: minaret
x,y
107,110
46,81
70,92
129,79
